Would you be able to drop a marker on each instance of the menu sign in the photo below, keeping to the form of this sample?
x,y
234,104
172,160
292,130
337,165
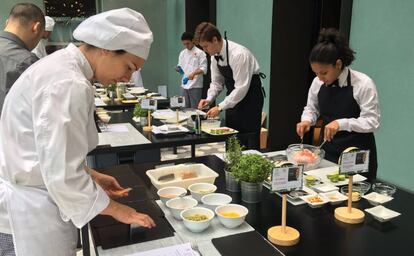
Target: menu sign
x,y
149,104
177,102
354,162
285,179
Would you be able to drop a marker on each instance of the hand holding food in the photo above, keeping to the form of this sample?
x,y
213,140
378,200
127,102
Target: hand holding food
x,y
213,112
203,103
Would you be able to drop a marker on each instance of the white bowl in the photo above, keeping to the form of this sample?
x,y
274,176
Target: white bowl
x,y
382,214
213,200
199,190
335,197
228,221
197,226
177,205
322,199
168,193
375,198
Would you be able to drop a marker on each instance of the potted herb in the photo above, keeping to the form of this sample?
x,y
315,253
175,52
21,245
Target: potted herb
x,y
232,156
251,170
141,114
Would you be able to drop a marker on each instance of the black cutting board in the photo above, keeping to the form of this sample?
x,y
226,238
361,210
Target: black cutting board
x,y
245,244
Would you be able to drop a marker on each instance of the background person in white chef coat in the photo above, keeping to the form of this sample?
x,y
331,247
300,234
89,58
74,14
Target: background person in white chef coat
x,y
47,129
193,62
40,49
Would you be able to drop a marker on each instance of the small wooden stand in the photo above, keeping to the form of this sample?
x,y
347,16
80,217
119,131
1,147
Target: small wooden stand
x,y
348,214
283,235
149,127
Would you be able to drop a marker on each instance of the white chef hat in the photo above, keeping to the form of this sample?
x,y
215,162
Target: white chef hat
x,y
119,29
49,23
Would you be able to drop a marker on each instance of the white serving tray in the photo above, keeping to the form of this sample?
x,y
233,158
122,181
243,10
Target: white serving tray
x,y
204,174
209,131
322,172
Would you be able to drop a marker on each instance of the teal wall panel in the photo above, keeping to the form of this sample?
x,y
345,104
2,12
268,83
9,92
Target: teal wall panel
x,y
249,23
382,36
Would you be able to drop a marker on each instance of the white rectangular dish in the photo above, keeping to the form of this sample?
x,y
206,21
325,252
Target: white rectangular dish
x,y
382,213
322,173
184,175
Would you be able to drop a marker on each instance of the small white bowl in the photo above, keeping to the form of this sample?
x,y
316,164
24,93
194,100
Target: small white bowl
x,y
197,226
228,221
322,199
213,200
199,190
177,205
382,214
335,197
375,198
168,193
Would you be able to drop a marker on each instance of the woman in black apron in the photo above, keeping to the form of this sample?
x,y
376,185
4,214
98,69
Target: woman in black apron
x,y
345,99
245,116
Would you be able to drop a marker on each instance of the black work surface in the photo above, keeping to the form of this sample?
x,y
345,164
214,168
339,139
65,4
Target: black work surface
x,y
320,232
248,243
158,141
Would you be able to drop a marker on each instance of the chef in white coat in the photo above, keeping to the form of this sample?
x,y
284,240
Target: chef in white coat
x,y
47,129
40,49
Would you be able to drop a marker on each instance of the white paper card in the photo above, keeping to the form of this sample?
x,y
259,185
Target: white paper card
x,y
354,162
150,104
287,178
177,102
175,250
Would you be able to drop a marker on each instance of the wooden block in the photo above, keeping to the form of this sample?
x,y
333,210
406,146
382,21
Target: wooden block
x,y
278,237
354,217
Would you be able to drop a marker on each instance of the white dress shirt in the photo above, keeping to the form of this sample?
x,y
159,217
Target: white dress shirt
x,y
46,130
40,49
365,94
243,65
191,60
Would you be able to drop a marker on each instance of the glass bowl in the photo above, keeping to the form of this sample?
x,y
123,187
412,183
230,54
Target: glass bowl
x,y
356,193
363,186
384,188
308,155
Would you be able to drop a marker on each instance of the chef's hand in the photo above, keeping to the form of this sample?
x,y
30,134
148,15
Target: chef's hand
x,y
110,185
203,103
213,112
128,215
302,128
330,130
191,76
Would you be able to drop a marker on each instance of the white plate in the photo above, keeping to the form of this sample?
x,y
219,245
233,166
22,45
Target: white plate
x,y
335,197
325,187
376,198
382,214
315,204
322,172
232,131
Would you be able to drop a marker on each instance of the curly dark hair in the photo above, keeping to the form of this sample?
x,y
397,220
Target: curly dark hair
x,y
332,46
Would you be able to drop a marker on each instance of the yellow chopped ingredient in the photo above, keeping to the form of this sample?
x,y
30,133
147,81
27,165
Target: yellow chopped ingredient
x,y
205,191
197,217
315,199
230,214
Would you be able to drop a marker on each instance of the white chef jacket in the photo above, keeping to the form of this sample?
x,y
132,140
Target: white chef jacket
x,y
46,131
243,64
136,78
191,60
365,94
40,49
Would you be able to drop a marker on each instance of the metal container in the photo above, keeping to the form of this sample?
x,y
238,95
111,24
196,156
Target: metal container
x,y
251,192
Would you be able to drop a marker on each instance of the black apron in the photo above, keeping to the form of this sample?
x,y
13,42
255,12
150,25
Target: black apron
x,y
246,116
336,103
